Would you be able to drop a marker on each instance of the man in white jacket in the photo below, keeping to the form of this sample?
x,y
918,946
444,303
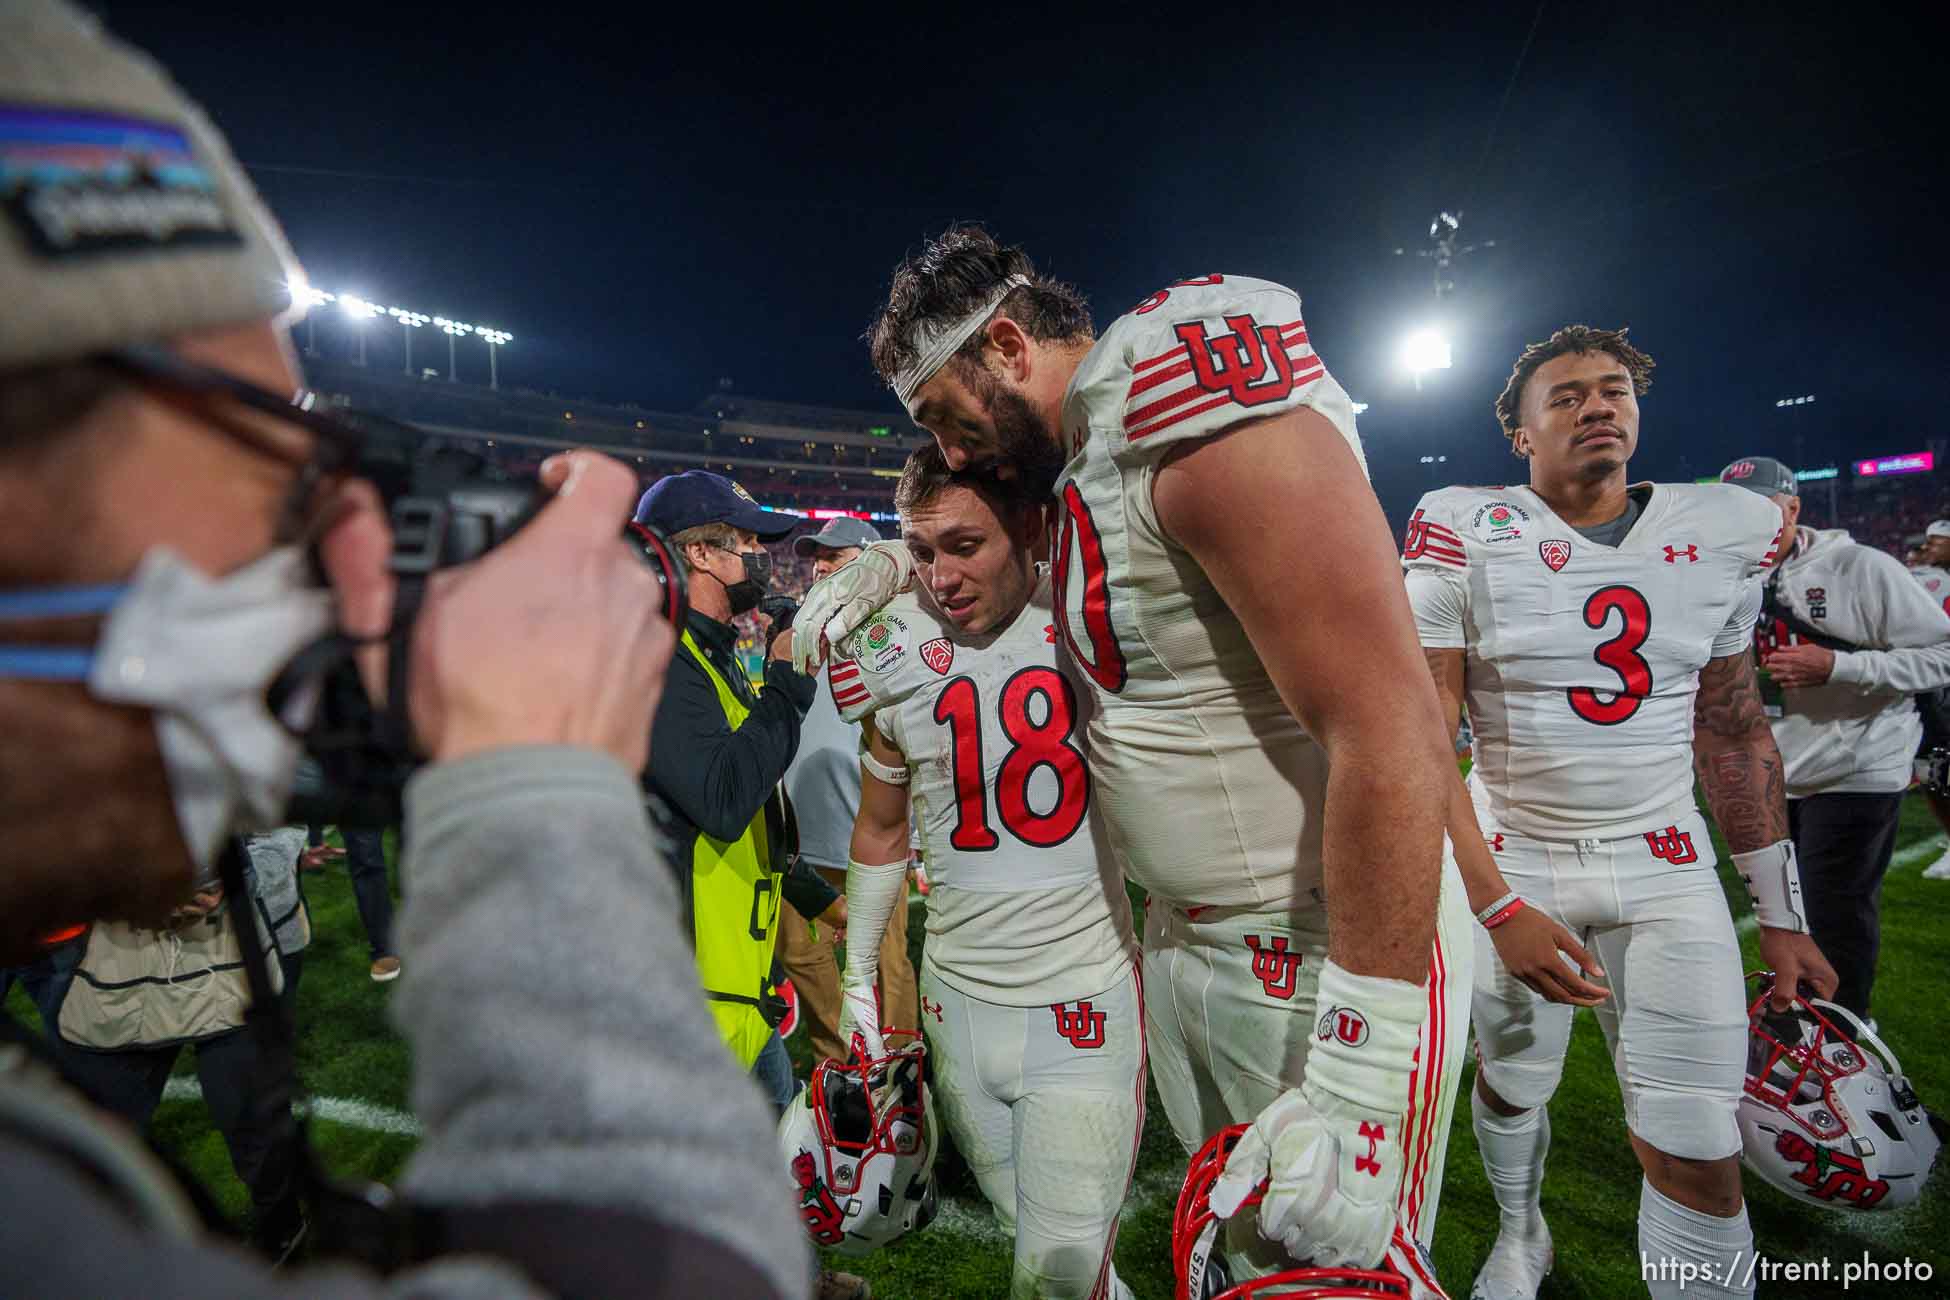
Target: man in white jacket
x,y
1848,638
1929,564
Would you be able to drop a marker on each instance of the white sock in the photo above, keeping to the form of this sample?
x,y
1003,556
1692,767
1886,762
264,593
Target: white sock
x,y
1704,1254
1513,1149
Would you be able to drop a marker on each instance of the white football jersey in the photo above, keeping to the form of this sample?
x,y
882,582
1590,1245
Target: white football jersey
x,y
1584,660
1935,581
1211,790
1026,905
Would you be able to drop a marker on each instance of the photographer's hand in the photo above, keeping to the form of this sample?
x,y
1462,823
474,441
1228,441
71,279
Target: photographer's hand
x,y
553,638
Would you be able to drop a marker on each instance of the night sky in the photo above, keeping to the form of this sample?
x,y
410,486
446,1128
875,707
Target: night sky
x,y
652,207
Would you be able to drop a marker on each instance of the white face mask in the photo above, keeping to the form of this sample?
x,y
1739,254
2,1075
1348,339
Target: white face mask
x,y
200,652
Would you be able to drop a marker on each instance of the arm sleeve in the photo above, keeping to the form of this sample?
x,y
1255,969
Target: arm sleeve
x,y
1439,600
533,1056
1738,633
718,778
1912,627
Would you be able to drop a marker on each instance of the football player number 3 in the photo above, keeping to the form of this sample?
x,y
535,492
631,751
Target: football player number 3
x,y
1620,654
1032,745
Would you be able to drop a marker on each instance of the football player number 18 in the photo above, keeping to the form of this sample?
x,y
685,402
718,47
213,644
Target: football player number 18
x,y
1620,654
1032,745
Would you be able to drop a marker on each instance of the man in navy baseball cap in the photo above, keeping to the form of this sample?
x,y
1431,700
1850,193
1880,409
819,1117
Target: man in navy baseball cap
x,y
680,502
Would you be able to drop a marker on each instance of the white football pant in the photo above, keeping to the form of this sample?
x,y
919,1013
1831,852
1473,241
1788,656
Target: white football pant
x,y
1676,1022
1231,1012
1046,1103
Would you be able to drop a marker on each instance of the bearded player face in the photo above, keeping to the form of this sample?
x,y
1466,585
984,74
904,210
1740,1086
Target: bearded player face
x,y
980,421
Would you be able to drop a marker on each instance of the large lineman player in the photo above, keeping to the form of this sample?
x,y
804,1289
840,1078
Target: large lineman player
x,y
1029,993
1601,636
1264,741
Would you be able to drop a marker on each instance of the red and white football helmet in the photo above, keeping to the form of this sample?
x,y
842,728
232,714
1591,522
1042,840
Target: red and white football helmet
x,y
859,1143
1200,1267
1826,1121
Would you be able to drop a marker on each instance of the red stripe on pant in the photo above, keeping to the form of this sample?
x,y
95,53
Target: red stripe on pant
x,y
1415,1180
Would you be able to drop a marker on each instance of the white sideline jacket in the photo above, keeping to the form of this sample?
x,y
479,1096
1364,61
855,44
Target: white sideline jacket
x,y
1858,731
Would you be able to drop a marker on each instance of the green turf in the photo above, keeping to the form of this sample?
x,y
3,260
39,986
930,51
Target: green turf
x,y
1591,1194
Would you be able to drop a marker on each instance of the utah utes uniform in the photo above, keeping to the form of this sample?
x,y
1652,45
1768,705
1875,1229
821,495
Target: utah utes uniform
x,y
1212,792
1029,995
1583,662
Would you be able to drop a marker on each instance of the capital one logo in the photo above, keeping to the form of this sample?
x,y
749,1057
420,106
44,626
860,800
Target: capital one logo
x,y
1276,969
1084,1027
1239,363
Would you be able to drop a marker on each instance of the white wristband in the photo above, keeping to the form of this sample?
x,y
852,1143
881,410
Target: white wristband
x,y
871,893
1773,879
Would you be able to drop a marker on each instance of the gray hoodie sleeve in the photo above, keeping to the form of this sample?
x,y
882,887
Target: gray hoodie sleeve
x,y
1912,628
562,1049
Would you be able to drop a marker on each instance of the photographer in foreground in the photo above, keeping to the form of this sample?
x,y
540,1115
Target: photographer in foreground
x,y
156,497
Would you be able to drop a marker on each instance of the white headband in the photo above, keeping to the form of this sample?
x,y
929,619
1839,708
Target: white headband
x,y
937,345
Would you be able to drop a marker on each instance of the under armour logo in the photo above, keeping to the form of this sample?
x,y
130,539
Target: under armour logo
x,y
1368,1164
1238,362
1672,845
1083,1027
932,1008
1691,554
1276,969
1495,842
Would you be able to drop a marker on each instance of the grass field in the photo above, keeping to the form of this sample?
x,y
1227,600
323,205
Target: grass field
x,y
356,1069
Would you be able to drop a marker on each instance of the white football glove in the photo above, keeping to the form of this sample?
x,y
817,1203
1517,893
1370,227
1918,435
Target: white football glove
x,y
1330,1150
860,1020
841,601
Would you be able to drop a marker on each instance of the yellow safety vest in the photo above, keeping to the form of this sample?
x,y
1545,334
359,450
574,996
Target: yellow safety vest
x,y
734,909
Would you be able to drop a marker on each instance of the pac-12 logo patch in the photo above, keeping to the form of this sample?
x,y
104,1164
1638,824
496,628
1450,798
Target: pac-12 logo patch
x,y
1556,553
938,654
1344,1023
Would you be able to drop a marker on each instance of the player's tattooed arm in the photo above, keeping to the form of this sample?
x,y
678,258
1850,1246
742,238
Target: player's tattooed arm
x,y
1735,758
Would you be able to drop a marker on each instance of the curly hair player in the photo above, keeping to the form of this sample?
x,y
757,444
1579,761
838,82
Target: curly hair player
x,y
1601,635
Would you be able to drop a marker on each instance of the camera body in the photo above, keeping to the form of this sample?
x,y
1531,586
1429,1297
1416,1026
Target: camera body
x,y
359,754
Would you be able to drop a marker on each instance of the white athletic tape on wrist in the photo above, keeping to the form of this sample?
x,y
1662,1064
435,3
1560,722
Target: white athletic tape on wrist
x,y
1365,1039
1773,878
871,893
933,347
880,770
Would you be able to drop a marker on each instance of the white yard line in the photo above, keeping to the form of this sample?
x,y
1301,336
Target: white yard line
x,y
338,1110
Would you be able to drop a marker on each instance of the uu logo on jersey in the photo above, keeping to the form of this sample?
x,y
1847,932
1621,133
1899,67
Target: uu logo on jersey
x,y
1238,362
1344,1023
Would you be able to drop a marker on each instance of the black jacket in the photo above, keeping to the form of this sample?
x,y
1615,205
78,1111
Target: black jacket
x,y
714,780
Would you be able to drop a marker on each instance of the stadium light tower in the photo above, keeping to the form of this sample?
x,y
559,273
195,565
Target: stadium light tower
x,y
358,311
453,329
495,338
1425,350
408,322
